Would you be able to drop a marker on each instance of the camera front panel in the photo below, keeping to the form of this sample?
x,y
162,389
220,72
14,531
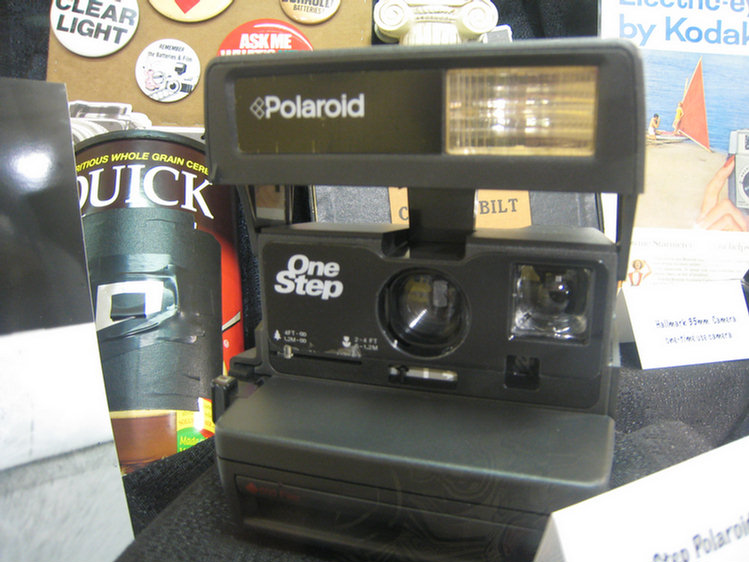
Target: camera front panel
x,y
514,319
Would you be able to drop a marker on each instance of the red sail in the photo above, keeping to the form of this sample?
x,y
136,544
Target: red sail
x,y
694,121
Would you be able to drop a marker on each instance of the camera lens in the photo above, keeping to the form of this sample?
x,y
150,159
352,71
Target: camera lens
x,y
425,313
555,294
551,302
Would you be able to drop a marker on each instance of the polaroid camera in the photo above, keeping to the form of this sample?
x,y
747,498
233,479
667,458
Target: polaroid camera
x,y
430,391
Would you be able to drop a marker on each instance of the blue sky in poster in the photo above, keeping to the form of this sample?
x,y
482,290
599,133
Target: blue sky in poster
x,y
726,80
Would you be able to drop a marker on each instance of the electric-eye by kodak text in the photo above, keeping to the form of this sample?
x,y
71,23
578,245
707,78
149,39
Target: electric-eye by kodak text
x,y
428,391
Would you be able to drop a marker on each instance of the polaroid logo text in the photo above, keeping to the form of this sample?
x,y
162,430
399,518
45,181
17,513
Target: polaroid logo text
x,y
298,107
309,278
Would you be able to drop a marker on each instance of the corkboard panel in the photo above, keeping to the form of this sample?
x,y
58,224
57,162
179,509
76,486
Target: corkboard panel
x,y
112,78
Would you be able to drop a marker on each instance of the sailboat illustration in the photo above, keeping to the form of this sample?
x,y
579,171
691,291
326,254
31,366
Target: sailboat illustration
x,y
693,122
691,114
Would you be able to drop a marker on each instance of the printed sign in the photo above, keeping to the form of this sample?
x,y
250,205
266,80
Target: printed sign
x,y
494,208
661,256
707,26
703,515
94,28
264,36
190,10
688,323
310,11
167,70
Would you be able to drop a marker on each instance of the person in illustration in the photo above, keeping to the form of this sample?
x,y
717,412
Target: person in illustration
x,y
717,213
655,122
640,270
678,116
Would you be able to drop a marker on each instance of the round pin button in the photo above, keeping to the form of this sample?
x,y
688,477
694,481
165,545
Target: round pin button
x,y
190,10
167,70
264,36
310,11
94,28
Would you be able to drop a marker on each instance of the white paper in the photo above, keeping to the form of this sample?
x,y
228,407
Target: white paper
x,y
696,510
672,255
53,397
689,323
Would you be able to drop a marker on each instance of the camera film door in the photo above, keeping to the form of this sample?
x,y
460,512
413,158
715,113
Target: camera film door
x,y
426,477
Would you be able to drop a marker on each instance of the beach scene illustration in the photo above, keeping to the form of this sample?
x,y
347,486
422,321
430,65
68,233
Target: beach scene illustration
x,y
693,102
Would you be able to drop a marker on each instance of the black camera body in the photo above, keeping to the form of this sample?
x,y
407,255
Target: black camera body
x,y
431,391
738,181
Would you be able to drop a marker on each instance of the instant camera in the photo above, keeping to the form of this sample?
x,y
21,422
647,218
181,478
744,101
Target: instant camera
x,y
430,391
